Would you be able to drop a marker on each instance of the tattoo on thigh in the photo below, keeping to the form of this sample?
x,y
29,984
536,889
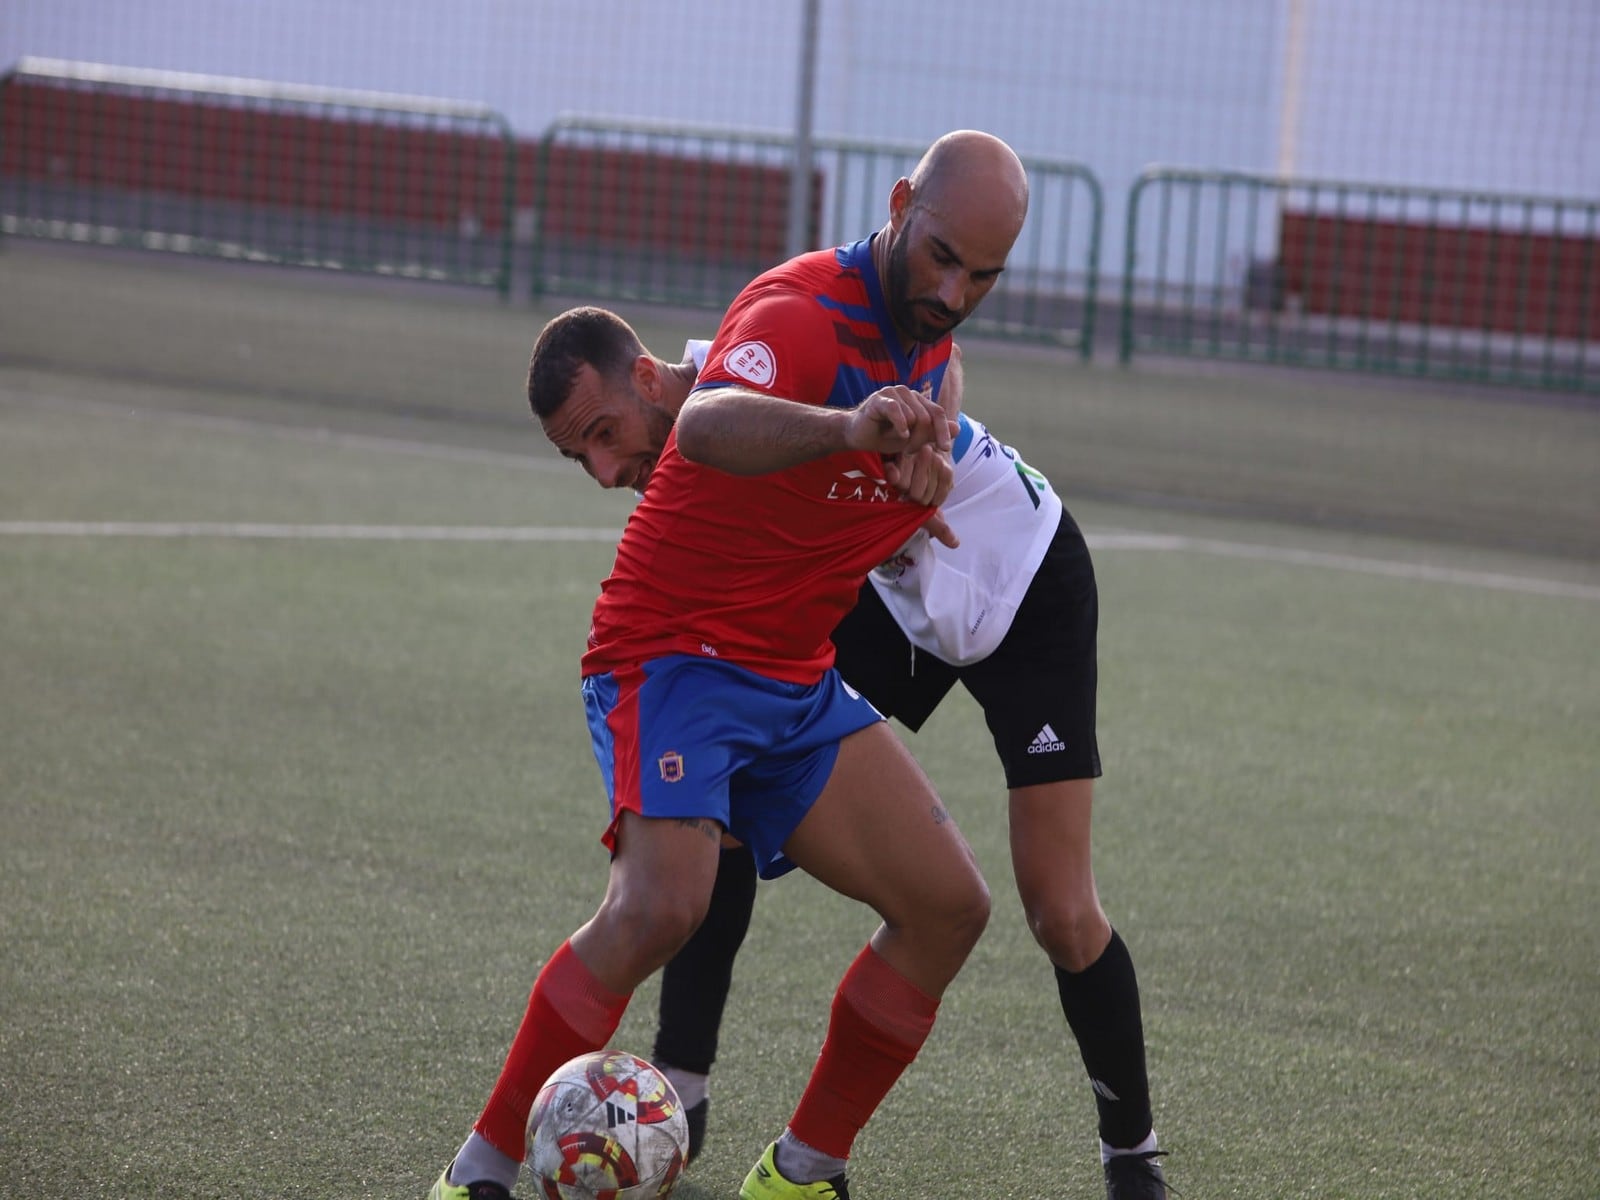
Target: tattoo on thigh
x,y
940,814
711,829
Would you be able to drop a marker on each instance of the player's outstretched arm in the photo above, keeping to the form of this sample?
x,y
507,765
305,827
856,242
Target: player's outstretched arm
x,y
751,433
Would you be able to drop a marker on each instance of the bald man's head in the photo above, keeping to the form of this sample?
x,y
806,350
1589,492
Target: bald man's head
x,y
972,168
952,224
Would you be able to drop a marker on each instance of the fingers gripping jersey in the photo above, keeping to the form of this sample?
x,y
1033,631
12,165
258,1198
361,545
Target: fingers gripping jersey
x,y
958,603
759,569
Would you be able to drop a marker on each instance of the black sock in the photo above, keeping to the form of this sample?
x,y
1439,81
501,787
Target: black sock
x,y
694,985
1102,1007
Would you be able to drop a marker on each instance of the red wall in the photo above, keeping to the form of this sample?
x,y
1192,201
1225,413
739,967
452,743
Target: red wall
x,y
1501,279
328,164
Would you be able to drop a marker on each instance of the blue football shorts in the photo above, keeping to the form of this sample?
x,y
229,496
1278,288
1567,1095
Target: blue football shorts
x,y
684,736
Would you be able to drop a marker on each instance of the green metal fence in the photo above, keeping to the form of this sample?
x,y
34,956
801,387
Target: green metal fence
x,y
687,215
264,172
1418,281
1489,287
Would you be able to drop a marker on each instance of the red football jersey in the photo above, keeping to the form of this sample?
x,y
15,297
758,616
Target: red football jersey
x,y
759,569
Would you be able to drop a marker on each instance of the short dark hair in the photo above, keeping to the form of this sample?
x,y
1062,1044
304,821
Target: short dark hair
x,y
595,336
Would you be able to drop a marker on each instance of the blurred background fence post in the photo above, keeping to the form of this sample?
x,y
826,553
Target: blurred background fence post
x,y
686,215
1433,282
256,171
1401,188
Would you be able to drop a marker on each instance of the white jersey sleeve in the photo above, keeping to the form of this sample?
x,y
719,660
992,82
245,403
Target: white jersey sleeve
x,y
958,604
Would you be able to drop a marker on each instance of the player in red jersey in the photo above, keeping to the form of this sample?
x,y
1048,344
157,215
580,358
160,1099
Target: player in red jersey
x,y
1011,614
807,454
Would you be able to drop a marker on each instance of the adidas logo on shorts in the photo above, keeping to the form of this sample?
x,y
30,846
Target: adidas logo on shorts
x,y
1046,742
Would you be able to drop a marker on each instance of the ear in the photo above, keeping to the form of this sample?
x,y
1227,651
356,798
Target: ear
x,y
899,201
647,378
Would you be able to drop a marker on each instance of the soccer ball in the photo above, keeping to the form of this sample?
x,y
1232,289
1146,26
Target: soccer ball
x,y
607,1126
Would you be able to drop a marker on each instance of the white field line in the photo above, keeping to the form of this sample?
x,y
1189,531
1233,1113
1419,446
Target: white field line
x,y
1119,540
308,433
1171,543
1391,568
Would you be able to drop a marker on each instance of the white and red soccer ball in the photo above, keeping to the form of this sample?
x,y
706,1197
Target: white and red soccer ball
x,y
607,1126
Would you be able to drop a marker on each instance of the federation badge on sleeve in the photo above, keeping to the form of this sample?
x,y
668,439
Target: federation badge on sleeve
x,y
753,362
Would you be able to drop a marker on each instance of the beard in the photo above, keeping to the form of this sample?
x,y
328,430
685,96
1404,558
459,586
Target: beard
x,y
658,424
920,320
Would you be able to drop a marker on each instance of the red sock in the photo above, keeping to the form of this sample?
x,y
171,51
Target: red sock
x,y
880,1020
569,1013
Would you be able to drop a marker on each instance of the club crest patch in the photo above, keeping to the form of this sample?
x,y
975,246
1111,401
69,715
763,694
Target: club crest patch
x,y
671,765
752,361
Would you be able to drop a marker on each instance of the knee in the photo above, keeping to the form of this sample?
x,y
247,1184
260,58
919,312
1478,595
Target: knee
x,y
953,916
653,924
968,911
1073,932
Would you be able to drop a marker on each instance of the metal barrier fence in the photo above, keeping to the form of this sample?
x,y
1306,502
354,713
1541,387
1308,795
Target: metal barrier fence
x,y
687,215
262,172
1426,282
1417,281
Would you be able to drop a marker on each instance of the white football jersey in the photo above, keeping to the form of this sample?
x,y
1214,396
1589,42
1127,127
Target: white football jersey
x,y
958,604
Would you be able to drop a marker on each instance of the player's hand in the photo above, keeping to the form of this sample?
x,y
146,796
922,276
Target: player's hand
x,y
897,420
939,530
923,476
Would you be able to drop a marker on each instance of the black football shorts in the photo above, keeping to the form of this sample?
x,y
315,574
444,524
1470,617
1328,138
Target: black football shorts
x,y
1037,690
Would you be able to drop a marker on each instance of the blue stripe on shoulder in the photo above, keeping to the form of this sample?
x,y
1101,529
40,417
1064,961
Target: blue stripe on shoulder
x,y
963,439
854,312
853,384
